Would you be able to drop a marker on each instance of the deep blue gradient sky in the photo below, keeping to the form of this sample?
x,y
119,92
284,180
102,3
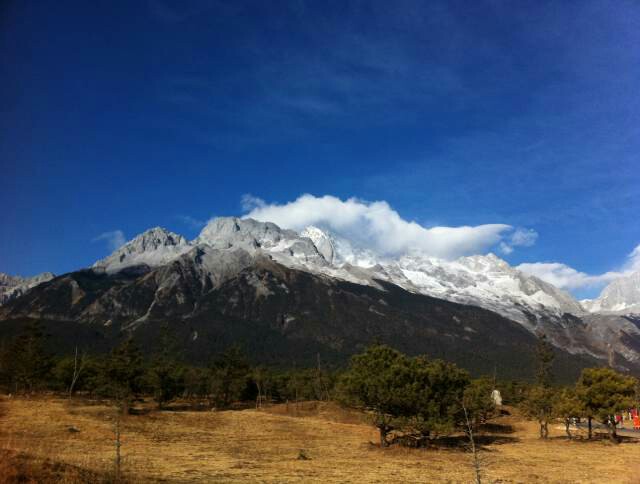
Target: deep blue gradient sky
x,y
122,115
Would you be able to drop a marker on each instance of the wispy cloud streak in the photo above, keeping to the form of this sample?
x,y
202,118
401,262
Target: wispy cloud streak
x,y
115,239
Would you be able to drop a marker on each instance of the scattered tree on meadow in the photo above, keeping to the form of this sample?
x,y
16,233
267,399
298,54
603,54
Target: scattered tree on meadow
x,y
605,393
124,372
230,376
413,394
436,395
539,406
539,401
74,372
469,430
6,378
196,382
261,378
513,392
165,372
567,406
544,361
478,402
377,380
28,363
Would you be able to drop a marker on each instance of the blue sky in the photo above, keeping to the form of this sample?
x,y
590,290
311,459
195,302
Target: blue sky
x,y
126,115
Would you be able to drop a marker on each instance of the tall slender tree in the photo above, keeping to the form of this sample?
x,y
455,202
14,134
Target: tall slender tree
x,y
167,374
124,372
544,361
539,401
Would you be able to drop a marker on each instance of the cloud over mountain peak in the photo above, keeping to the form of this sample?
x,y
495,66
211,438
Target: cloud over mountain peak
x,y
378,226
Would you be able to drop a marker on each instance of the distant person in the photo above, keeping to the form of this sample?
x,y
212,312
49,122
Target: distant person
x,y
496,397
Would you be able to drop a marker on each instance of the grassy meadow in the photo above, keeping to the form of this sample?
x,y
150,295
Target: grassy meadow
x,y
51,439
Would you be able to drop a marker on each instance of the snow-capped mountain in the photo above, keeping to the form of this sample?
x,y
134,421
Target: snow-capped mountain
x,y
14,286
338,250
621,296
176,278
489,282
483,280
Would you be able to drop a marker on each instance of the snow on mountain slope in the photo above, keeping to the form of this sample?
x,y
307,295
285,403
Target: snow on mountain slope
x,y
14,286
482,280
489,282
185,271
154,247
322,241
621,296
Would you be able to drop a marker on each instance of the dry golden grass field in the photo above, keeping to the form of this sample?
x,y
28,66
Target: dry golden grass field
x,y
36,445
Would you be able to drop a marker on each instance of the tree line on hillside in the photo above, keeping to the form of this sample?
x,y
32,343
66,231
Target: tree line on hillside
x,y
125,374
410,399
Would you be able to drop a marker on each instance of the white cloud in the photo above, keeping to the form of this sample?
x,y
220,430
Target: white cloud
x,y
633,260
377,226
521,237
192,222
115,239
566,277
249,203
524,237
505,248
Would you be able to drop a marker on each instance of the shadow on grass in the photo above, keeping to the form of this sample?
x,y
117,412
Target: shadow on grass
x,y
481,440
496,428
452,442
20,467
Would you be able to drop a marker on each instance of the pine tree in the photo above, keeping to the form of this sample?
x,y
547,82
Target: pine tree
x,y
544,361
604,393
376,380
478,403
166,373
567,406
539,401
412,394
30,364
230,376
124,372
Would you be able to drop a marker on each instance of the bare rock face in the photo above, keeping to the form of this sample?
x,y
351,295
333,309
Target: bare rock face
x,y
322,241
12,287
226,232
154,248
284,245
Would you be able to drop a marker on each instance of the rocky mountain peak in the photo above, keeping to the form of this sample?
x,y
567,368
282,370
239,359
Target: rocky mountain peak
x,y
153,247
157,237
225,232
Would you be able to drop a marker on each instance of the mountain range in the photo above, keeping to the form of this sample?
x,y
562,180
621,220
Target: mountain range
x,y
289,296
12,287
